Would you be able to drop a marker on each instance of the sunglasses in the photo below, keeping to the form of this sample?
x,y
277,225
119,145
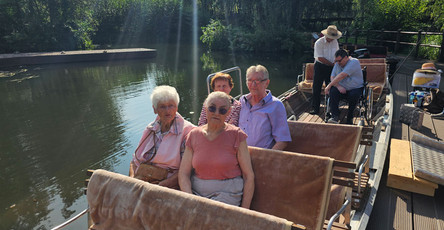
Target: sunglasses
x,y
222,111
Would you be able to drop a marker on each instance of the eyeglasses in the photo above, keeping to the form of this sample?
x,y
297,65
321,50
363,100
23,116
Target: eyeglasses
x,y
222,111
339,60
166,107
249,81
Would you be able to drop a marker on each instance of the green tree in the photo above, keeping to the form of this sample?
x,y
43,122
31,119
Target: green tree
x,y
42,25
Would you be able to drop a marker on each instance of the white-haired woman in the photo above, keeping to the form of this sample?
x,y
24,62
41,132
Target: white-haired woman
x,y
157,158
218,154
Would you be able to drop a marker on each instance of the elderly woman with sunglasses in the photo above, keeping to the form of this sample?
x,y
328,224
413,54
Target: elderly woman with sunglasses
x,y
224,83
163,141
216,163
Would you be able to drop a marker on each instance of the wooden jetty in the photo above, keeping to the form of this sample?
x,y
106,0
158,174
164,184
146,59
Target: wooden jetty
x,y
398,209
17,59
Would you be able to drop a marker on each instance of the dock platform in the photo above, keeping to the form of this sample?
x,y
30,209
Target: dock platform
x,y
398,209
18,59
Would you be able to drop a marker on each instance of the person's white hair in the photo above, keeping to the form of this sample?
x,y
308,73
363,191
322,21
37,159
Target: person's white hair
x,y
164,93
258,69
218,95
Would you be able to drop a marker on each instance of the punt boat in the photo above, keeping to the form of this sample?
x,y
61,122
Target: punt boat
x,y
374,114
327,177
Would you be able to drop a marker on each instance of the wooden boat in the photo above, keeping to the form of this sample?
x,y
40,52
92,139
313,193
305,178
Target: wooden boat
x,y
327,177
376,116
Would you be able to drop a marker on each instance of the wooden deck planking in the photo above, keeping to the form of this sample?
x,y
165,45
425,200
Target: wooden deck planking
x,y
439,201
393,207
438,126
399,85
386,214
425,213
402,203
427,128
396,209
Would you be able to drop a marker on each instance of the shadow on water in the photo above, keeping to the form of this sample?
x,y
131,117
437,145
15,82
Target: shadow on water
x,y
57,121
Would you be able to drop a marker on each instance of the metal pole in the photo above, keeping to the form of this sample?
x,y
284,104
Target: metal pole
x,y
398,37
441,51
418,42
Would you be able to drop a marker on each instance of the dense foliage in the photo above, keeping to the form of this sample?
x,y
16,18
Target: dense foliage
x,y
239,25
45,25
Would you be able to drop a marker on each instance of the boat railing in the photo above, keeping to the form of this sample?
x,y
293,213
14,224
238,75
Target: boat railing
x,y
236,68
74,218
337,214
361,170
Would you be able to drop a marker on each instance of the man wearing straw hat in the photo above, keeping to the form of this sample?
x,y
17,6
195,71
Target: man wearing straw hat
x,y
324,54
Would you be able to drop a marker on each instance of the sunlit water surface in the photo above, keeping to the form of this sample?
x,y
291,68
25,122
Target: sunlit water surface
x,y
57,121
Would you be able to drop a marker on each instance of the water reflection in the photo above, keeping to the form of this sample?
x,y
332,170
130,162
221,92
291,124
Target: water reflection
x,y
57,121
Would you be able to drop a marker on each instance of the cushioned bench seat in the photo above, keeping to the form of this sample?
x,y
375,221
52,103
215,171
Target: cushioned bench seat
x,y
120,202
291,185
289,188
307,84
339,142
376,76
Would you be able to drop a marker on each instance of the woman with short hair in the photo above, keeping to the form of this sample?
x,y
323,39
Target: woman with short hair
x,y
163,141
222,82
218,156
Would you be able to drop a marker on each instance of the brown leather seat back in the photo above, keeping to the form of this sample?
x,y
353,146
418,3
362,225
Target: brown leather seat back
x,y
291,185
120,202
376,72
376,77
309,71
339,142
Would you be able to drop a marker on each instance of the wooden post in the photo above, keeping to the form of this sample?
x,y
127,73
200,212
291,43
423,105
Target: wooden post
x,y
418,42
368,34
398,37
381,36
356,37
441,51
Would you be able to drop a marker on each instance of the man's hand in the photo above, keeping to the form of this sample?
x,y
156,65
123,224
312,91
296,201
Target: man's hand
x,y
341,89
327,89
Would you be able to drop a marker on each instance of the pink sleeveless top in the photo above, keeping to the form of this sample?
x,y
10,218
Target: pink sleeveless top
x,y
216,159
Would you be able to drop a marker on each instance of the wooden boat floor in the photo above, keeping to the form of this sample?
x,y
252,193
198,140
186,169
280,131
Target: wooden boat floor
x,y
397,209
301,108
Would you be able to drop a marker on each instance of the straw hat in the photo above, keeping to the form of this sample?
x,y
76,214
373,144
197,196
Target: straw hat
x,y
332,32
427,68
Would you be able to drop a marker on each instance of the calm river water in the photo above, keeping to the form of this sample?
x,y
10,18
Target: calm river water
x,y
57,121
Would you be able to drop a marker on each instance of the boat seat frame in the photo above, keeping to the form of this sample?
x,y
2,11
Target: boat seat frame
x,y
338,177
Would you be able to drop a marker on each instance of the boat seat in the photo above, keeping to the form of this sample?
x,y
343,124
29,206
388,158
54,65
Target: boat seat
x,y
120,202
376,77
293,186
289,188
377,71
307,84
337,141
